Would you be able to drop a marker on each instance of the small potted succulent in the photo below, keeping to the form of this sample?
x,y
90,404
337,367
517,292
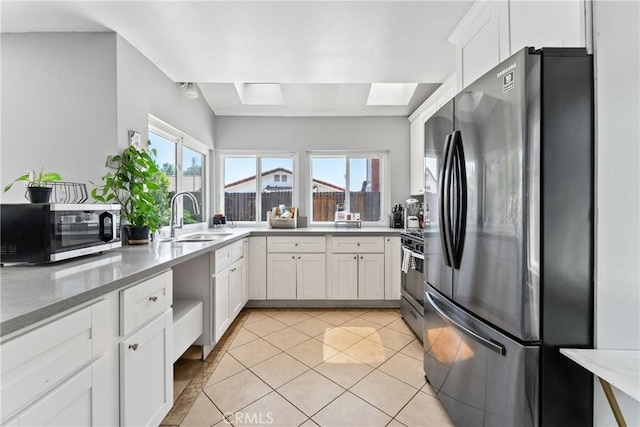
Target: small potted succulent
x,y
134,183
39,191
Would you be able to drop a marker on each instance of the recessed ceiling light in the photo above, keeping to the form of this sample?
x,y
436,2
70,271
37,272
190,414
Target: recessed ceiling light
x,y
259,93
391,93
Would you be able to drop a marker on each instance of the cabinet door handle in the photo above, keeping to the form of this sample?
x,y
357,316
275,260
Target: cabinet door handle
x,y
358,244
133,347
296,244
361,257
355,257
153,298
293,257
388,240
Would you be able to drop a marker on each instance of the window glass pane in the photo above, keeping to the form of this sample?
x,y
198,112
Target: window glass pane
x,y
240,188
166,160
328,183
275,183
192,181
364,188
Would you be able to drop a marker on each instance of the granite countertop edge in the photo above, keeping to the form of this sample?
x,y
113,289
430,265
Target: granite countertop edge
x,y
15,317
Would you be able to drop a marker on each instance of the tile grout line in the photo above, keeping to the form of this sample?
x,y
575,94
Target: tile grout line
x,y
235,328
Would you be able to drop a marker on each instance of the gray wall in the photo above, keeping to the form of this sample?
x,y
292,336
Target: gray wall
x,y
69,99
303,134
143,89
58,105
617,54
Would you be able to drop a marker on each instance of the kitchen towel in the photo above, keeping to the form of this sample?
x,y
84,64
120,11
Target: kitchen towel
x,y
408,261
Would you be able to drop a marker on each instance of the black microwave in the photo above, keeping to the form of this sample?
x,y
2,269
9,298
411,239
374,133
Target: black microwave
x,y
48,232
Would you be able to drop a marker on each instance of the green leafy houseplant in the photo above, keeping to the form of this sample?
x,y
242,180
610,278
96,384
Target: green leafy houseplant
x,y
135,183
39,192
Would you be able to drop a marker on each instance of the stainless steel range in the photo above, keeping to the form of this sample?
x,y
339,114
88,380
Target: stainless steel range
x,y
413,288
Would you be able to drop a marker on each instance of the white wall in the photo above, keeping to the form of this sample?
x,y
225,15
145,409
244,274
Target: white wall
x,y
303,134
58,105
617,54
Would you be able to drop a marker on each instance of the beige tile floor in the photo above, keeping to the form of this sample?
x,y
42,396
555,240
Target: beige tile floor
x,y
279,367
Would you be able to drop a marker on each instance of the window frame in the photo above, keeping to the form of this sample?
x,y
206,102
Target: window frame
x,y
385,185
181,140
220,157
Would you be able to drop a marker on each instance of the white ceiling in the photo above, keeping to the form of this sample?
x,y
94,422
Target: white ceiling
x,y
324,53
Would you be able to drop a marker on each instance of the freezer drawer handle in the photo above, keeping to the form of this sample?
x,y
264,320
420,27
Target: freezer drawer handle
x,y
498,348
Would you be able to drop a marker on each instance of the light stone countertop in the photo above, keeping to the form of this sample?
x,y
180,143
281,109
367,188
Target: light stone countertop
x,y
32,293
620,368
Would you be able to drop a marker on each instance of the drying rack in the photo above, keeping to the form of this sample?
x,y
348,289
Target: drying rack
x,y
66,192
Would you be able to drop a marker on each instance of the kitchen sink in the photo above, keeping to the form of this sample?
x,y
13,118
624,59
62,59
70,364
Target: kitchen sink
x,y
197,237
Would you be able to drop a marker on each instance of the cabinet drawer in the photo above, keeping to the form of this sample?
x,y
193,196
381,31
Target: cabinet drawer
x,y
364,244
295,244
226,256
143,302
36,362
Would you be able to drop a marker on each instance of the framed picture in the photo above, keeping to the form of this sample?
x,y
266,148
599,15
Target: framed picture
x,y
135,139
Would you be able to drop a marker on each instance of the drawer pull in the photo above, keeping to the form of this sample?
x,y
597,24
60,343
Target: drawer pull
x,y
296,244
358,244
299,257
153,298
355,257
293,257
361,257
133,347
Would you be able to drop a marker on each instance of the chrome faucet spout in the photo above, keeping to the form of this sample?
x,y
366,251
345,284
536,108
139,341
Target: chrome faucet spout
x,y
174,212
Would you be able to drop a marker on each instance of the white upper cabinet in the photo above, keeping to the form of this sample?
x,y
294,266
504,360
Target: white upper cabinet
x,y
491,31
441,96
481,39
547,24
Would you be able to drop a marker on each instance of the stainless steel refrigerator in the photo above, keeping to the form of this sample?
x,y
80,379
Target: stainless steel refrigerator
x,y
509,256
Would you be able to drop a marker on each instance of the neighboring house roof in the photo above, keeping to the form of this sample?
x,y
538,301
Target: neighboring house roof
x,y
253,177
272,171
327,184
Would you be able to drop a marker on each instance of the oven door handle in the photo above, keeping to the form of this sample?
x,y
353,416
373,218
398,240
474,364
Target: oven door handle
x,y
414,254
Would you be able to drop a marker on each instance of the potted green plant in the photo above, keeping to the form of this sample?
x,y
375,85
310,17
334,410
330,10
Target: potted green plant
x,y
39,191
134,183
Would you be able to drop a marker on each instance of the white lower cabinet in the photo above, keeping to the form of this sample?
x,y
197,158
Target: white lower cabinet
x,y
311,276
281,276
228,296
344,276
371,276
220,299
296,276
257,268
75,403
237,289
146,373
357,276
40,367
392,271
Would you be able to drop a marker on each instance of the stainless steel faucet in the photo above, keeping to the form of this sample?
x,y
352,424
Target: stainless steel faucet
x,y
174,211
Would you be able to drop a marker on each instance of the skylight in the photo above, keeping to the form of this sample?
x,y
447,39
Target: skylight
x,y
391,93
259,93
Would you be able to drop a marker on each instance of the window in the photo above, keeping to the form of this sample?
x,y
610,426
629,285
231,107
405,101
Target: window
x,y
245,176
355,181
184,161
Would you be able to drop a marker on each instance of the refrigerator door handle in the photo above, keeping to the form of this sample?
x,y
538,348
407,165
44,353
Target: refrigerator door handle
x,y
461,197
492,345
444,205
